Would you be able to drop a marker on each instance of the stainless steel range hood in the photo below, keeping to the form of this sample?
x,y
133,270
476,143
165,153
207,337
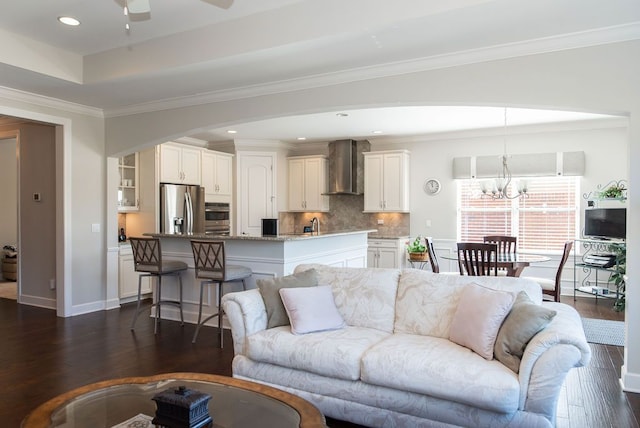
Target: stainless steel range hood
x,y
346,167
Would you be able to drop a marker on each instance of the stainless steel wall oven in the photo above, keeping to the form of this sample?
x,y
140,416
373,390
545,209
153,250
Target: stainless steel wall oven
x,y
217,218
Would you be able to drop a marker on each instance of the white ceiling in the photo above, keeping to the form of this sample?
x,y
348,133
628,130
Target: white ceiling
x,y
191,49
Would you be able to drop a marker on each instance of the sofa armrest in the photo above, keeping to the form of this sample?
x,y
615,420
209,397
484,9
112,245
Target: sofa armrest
x,y
548,358
246,314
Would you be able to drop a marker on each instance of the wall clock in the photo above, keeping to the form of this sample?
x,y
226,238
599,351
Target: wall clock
x,y
432,186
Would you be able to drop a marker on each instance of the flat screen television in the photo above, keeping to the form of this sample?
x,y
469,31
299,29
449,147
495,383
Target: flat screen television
x,y
605,223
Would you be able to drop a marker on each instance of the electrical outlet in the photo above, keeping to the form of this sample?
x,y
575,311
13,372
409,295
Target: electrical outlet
x,y
380,221
428,223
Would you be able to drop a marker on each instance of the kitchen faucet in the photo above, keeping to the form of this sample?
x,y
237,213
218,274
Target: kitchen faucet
x,y
315,226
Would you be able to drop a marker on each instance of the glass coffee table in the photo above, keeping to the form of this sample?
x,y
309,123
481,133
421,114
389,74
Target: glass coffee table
x,y
234,403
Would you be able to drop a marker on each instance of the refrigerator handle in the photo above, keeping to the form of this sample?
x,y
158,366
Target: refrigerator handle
x,y
189,210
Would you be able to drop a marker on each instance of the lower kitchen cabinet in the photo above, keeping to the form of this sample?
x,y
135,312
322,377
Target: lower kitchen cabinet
x,y
386,253
128,277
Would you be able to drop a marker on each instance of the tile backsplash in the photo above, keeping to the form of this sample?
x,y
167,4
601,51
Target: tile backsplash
x,y
346,214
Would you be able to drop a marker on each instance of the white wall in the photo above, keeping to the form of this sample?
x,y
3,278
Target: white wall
x,y
80,199
606,152
8,192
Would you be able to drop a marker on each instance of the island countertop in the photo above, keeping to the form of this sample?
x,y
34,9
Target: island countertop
x,y
279,238
268,257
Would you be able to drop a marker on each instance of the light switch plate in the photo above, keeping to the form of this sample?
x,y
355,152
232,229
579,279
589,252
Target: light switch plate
x,y
95,228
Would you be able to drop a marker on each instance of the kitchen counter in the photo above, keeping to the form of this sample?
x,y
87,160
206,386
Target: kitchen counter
x,y
281,237
267,256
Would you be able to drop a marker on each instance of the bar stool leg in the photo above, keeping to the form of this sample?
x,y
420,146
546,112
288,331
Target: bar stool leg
x,y
220,288
158,305
180,285
195,335
135,317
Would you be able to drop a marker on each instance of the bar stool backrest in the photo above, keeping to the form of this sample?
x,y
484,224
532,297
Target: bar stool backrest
x,y
209,259
147,255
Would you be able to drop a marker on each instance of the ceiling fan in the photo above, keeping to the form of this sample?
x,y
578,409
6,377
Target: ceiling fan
x,y
143,6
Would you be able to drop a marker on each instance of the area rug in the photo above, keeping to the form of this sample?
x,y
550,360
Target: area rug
x,y
604,332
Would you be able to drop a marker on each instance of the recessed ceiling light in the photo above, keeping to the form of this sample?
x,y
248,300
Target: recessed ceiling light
x,y
376,132
302,138
232,131
69,20
342,114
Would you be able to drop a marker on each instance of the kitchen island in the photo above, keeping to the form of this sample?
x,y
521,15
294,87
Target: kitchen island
x,y
267,256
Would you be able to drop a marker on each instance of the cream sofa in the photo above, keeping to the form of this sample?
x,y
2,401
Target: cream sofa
x,y
393,365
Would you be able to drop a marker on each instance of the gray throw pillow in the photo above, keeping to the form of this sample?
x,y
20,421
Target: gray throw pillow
x,y
524,321
270,290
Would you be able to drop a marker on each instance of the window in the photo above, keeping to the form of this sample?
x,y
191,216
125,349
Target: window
x,y
542,222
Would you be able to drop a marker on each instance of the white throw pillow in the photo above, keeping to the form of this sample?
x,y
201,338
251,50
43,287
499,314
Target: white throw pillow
x,y
311,309
478,318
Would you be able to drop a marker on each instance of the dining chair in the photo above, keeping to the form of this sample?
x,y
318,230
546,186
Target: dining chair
x,y
147,259
552,287
433,258
212,268
506,244
477,259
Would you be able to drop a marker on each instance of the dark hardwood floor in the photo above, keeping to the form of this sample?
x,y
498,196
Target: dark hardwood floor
x,y
43,356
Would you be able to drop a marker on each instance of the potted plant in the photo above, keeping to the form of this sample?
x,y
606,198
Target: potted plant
x,y
614,191
619,275
417,249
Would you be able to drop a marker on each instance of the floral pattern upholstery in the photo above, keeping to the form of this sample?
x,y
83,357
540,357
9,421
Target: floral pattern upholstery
x,y
393,366
309,352
364,297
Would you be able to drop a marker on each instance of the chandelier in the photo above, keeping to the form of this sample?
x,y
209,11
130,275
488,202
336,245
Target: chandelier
x,y
498,188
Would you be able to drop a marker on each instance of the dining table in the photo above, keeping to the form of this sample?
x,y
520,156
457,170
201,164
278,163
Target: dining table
x,y
513,263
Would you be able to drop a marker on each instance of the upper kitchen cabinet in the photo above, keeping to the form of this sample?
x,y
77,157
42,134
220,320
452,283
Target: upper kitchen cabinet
x,y
308,181
386,181
217,176
179,164
128,188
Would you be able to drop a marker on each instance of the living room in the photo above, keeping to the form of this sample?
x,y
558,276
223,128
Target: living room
x,y
598,77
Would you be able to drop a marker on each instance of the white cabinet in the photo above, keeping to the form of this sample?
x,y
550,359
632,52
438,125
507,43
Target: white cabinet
x,y
386,181
179,164
128,188
128,277
217,176
308,180
386,253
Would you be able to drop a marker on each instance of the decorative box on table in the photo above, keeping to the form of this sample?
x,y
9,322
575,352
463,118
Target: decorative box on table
x,y
182,408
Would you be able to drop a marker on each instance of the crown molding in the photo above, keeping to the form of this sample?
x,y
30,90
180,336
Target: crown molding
x,y
608,35
54,103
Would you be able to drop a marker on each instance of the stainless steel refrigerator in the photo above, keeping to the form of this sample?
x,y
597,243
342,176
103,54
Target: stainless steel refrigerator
x,y
181,209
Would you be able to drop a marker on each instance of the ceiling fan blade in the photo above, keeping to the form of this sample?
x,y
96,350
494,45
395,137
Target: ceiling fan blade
x,y
224,4
138,6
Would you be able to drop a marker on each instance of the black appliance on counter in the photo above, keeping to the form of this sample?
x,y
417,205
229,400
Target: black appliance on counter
x,y
269,227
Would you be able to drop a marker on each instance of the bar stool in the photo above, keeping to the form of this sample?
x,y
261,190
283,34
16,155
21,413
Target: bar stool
x,y
211,268
147,259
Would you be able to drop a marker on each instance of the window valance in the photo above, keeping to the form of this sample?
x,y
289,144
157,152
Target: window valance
x,y
523,165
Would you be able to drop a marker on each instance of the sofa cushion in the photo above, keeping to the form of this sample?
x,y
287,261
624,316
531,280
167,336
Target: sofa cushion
x,y
311,309
442,369
523,322
269,289
335,353
427,301
364,297
478,318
